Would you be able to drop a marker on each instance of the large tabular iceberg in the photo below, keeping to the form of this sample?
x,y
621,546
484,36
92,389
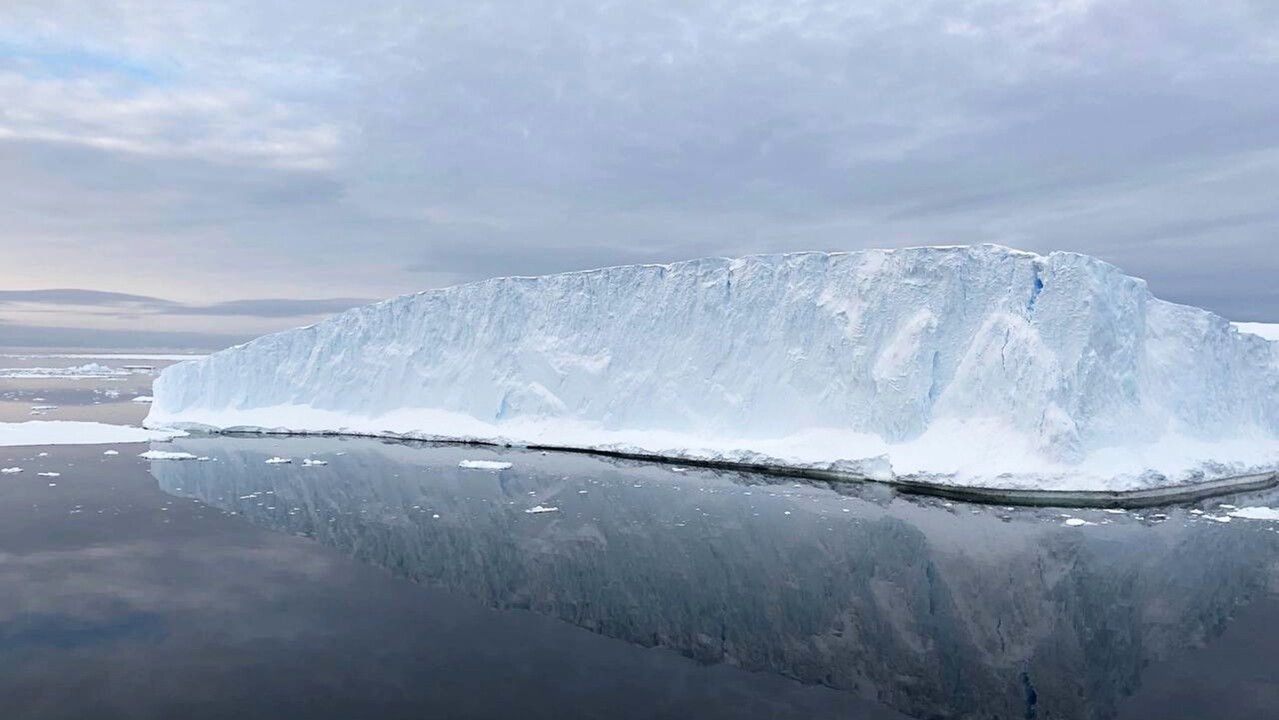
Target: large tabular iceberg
x,y
977,365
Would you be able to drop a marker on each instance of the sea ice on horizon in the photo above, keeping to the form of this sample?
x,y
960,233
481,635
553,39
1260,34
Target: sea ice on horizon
x,y
91,370
64,432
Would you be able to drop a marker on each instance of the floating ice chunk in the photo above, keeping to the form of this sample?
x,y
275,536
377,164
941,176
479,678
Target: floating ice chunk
x,y
49,474
35,408
484,465
314,463
10,471
76,433
111,452
1256,513
146,399
166,455
278,461
1077,522
538,509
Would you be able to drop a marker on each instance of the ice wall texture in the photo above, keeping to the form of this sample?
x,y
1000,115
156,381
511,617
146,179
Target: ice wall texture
x,y
1064,350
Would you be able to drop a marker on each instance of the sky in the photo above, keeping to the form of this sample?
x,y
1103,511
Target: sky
x,y
193,174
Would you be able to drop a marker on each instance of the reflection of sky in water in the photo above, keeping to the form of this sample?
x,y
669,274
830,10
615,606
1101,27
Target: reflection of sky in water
x,y
160,607
931,608
152,603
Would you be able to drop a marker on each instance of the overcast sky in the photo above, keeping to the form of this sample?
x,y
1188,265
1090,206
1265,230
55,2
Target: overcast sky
x,y
223,169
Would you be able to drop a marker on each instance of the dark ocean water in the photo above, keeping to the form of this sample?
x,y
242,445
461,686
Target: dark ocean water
x,y
390,582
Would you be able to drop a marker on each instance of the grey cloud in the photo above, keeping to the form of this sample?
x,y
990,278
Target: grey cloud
x,y
29,336
264,308
272,308
473,140
74,296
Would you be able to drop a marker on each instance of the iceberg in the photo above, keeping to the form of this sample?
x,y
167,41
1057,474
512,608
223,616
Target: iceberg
x,y
973,365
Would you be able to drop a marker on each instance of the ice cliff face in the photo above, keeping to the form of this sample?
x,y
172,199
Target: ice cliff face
x,y
941,358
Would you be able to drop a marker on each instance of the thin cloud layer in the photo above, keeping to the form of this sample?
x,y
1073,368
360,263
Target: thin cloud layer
x,y
219,152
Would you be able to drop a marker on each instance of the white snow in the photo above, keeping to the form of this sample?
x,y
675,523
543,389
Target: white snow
x,y
1256,513
538,509
973,365
278,461
1269,331
10,470
39,432
484,465
166,455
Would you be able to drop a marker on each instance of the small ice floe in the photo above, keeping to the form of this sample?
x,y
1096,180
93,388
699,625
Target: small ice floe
x,y
435,516
1218,518
111,452
43,454
484,465
166,455
42,408
1256,513
1196,511
679,469
49,474
10,471
1227,507
538,509
314,463
278,461
143,399
581,492
1115,511
1077,522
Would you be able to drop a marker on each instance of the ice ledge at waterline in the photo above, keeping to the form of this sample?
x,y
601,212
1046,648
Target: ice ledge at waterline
x,y
981,364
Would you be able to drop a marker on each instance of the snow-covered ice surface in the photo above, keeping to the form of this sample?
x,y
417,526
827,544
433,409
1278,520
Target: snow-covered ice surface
x,y
166,455
973,365
1255,513
77,433
1269,331
484,465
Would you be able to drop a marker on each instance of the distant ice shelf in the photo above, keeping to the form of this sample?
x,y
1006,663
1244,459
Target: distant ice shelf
x,y
974,365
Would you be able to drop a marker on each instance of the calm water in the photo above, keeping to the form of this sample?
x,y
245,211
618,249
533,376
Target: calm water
x,y
392,583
